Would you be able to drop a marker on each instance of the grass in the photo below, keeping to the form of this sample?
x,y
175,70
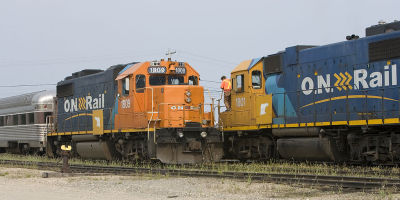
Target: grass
x,y
267,167
300,190
4,173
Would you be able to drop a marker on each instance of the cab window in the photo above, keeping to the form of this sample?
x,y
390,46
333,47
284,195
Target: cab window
x,y
240,83
140,83
175,80
193,80
256,79
157,80
125,86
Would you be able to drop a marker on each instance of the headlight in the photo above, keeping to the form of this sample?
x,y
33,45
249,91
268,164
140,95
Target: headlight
x,y
203,134
205,122
188,100
180,134
188,93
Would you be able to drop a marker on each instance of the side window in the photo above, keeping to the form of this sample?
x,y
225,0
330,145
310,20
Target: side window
x,y
193,80
125,86
240,83
9,120
1,120
46,114
23,119
31,118
140,83
256,79
15,120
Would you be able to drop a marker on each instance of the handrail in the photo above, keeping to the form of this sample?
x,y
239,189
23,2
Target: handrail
x,y
152,114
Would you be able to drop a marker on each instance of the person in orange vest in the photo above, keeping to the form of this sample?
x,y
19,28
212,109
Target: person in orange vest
x,y
226,87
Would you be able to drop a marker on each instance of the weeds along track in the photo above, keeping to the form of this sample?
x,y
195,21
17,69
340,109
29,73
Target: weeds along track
x,y
316,180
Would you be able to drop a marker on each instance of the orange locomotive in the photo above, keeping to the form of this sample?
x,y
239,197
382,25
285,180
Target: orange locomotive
x,y
151,110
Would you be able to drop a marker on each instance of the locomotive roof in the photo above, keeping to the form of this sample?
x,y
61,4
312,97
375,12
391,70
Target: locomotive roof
x,y
133,68
247,64
25,102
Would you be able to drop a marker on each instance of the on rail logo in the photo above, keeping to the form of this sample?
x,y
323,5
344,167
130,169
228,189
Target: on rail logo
x,y
84,103
360,78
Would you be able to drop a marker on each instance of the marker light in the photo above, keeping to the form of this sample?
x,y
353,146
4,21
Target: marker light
x,y
180,133
203,134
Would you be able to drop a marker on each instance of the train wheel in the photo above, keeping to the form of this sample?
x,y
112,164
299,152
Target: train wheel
x,y
250,148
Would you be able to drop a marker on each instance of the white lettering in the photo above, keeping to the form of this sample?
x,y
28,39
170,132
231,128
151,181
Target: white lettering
x,y
74,105
324,84
240,102
126,103
376,79
88,103
386,75
310,83
71,105
95,103
67,105
394,74
360,79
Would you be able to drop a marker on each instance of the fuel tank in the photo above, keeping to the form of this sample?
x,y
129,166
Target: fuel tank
x,y
309,149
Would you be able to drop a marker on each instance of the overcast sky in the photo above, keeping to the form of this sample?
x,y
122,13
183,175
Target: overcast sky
x,y
43,41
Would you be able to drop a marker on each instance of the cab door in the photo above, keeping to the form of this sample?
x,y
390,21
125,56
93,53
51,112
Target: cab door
x,y
125,106
138,101
240,100
261,103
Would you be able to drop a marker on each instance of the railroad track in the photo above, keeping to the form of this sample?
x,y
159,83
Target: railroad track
x,y
316,180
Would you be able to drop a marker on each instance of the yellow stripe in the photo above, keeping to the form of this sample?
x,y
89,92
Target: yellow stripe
x,y
78,115
247,128
358,122
349,97
339,123
375,121
292,125
391,121
105,131
352,122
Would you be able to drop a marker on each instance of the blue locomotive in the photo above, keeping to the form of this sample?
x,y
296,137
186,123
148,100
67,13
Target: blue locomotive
x,y
337,102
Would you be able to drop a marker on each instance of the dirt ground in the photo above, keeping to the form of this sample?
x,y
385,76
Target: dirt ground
x,y
22,184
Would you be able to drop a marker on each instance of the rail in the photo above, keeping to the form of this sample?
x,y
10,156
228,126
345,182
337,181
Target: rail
x,y
310,179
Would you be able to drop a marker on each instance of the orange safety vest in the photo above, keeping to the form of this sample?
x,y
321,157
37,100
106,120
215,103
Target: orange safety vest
x,y
226,85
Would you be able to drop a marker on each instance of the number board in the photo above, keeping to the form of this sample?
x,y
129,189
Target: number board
x,y
157,70
180,70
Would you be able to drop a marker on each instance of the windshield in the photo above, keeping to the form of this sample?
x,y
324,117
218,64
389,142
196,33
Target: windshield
x,y
175,80
157,80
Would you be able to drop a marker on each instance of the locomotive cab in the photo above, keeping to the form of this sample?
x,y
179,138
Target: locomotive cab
x,y
251,110
250,105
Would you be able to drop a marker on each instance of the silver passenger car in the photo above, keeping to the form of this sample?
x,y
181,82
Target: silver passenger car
x,y
24,121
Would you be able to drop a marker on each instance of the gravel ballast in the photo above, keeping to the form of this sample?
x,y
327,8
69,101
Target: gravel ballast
x,y
17,183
